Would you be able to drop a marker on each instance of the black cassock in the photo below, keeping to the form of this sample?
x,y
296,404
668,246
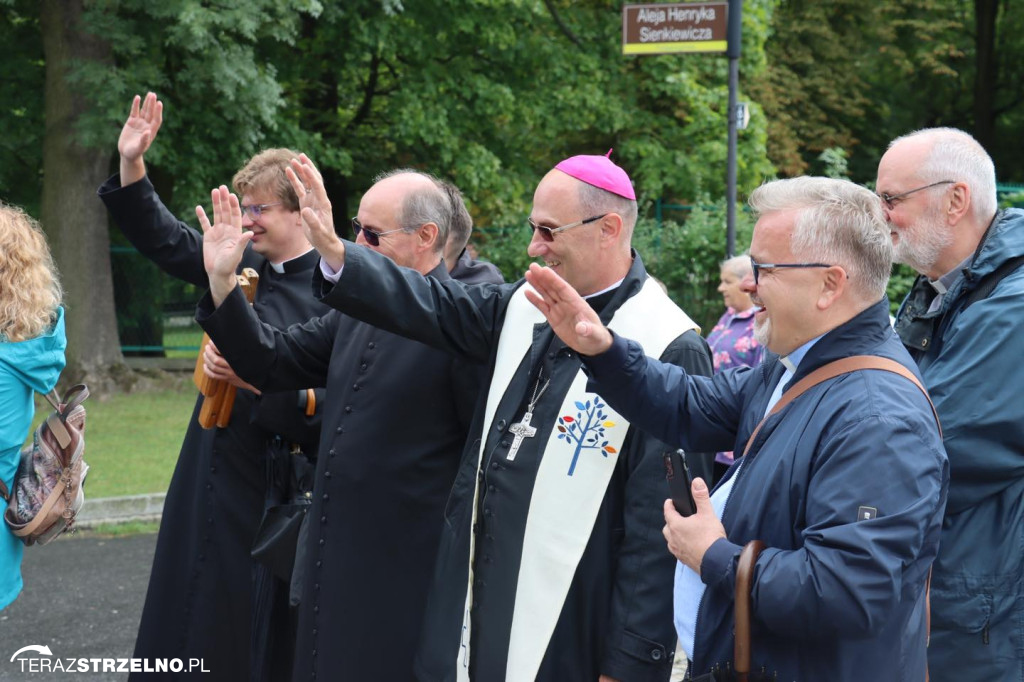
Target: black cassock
x,y
617,616
199,600
395,423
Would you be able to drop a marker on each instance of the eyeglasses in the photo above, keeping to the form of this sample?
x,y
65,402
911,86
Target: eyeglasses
x,y
888,199
254,211
372,238
758,267
548,233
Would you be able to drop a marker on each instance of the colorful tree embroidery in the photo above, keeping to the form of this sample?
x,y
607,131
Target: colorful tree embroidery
x,y
589,436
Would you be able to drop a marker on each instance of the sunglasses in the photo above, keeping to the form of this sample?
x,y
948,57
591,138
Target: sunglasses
x,y
372,238
758,267
548,233
254,211
890,199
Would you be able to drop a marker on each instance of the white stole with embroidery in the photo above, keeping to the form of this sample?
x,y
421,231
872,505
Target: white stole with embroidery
x,y
577,463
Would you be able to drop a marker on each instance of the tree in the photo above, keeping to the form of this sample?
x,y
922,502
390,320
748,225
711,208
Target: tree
x,y
854,75
74,221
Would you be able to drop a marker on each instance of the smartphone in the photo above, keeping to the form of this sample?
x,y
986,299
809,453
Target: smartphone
x,y
678,476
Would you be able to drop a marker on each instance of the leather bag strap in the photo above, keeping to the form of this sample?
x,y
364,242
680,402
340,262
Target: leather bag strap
x,y
838,368
37,521
742,607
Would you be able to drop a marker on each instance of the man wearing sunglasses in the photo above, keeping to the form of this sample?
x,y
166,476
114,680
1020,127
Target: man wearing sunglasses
x,y
395,422
205,589
550,565
963,321
844,484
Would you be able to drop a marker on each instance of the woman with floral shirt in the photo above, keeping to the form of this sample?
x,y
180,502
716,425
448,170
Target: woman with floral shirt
x,y
732,340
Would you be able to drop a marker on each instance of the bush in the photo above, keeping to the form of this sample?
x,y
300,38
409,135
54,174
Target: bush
x,y
685,255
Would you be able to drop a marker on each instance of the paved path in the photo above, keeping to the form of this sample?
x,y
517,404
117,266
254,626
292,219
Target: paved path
x,y
83,598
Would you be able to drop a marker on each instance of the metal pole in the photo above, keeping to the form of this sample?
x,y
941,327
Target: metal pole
x,y
730,183
733,52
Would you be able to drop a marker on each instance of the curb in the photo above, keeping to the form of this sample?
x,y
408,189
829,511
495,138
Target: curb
x,y
114,510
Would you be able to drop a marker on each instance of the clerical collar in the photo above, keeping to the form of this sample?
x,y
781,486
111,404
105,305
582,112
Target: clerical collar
x,y
280,268
605,291
943,283
599,300
792,361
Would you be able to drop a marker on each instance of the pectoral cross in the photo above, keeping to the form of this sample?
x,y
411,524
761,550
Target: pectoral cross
x,y
521,431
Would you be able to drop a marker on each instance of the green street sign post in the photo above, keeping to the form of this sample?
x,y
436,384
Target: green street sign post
x,y
669,28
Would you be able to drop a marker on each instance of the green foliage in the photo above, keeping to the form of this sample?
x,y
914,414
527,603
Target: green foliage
x,y
220,93
506,248
834,163
502,90
21,104
900,281
1011,200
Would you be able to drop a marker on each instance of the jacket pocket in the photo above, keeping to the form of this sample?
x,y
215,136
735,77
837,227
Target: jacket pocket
x,y
959,612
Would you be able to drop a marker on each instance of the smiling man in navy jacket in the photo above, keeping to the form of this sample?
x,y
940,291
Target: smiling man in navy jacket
x,y
846,485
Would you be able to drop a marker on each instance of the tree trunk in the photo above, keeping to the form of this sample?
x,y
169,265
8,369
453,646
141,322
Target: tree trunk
x,y
985,72
73,217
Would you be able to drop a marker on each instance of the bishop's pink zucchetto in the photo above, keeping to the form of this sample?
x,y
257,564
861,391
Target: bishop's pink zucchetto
x,y
599,171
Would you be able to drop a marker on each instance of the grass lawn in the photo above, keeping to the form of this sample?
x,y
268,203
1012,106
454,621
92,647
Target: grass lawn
x,y
132,439
182,342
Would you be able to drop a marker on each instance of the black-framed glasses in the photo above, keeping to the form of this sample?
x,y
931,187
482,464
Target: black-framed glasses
x,y
254,211
758,267
372,238
548,233
888,199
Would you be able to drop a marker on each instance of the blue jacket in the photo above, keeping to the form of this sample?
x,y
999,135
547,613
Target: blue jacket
x,y
834,598
26,367
971,363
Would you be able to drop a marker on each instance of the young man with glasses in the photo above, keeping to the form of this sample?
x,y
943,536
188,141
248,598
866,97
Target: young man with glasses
x,y
962,322
845,484
206,594
550,565
396,419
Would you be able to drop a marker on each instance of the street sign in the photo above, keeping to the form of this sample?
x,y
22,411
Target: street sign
x,y
742,116
675,27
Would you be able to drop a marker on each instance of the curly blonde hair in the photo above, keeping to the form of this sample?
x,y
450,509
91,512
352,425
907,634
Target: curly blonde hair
x,y
30,290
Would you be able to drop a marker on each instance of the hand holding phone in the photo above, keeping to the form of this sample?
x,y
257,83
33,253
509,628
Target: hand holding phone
x,y
678,476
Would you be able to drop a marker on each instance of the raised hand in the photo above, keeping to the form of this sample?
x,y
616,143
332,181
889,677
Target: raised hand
x,y
223,242
315,206
137,135
570,317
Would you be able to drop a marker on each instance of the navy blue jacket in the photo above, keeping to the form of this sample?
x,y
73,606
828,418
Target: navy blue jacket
x,y
970,359
834,598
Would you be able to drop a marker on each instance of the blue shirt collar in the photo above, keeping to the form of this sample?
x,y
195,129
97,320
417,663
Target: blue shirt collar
x,y
792,361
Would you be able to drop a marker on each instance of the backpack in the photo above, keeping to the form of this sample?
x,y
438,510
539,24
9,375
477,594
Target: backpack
x,y
48,484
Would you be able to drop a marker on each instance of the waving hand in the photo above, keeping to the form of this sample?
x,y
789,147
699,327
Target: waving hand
x,y
317,218
137,135
223,242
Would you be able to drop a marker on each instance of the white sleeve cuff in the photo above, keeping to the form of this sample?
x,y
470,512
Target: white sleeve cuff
x,y
330,275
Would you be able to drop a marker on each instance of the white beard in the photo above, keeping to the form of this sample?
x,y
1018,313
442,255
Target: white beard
x,y
921,246
763,331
